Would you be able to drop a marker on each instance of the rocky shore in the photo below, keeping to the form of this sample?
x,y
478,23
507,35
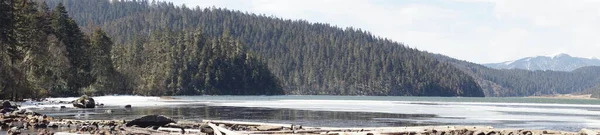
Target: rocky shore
x,y
22,121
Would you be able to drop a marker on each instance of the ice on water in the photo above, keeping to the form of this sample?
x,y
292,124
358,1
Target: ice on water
x,y
508,115
109,101
516,115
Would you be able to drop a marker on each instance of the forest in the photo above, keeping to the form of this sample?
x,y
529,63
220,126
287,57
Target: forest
x,y
594,91
45,53
307,58
145,47
518,82
157,48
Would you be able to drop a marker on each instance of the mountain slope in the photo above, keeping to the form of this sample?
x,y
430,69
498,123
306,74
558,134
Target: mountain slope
x,y
519,82
561,62
44,53
308,58
595,91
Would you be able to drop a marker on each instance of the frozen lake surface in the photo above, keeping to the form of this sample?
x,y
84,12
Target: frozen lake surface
x,y
350,111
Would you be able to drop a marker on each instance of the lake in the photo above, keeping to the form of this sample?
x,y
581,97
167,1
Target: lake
x,y
350,111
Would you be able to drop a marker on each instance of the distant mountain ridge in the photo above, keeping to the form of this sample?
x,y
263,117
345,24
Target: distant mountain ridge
x,y
560,62
520,82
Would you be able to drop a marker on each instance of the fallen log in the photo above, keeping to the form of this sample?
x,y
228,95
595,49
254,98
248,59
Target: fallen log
x,y
215,128
135,130
178,130
316,131
218,130
226,131
589,132
245,123
67,133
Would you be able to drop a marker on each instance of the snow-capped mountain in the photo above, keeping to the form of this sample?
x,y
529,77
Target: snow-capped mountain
x,y
560,62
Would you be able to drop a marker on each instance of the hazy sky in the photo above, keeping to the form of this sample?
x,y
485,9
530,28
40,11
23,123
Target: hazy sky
x,y
480,31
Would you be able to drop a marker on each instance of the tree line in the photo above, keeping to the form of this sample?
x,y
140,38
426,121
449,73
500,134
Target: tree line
x,y
306,58
594,91
519,82
44,52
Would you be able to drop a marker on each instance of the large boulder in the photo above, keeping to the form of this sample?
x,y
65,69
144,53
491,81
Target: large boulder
x,y
150,121
6,104
84,102
7,107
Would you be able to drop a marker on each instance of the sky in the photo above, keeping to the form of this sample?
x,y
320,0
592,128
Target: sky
x,y
480,31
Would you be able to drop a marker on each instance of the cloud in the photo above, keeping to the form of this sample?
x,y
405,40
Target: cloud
x,y
566,26
481,31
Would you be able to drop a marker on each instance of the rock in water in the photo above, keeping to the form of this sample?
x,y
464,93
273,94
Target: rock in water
x,y
90,103
150,121
7,107
6,104
84,102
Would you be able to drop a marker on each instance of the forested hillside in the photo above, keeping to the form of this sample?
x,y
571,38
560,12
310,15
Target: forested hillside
x,y
519,82
188,63
595,91
306,58
44,53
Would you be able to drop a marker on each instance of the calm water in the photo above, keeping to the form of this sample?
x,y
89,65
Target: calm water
x,y
355,111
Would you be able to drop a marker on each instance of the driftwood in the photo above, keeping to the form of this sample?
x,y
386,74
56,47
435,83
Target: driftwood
x,y
249,128
215,128
66,133
589,132
226,131
316,131
178,130
245,123
135,130
92,121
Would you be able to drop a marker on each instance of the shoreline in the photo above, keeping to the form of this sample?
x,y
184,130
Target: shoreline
x,y
565,96
155,125
321,127
28,122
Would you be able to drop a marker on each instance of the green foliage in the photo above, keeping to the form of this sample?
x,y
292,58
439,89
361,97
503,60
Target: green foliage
x,y
307,58
44,53
104,75
187,63
68,32
595,91
22,37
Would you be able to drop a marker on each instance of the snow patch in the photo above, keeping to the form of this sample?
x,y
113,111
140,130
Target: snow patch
x,y
508,62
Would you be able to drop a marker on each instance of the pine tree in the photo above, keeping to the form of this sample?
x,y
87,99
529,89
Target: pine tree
x,y
68,32
102,71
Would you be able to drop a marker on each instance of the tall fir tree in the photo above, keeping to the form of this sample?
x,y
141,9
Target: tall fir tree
x,y
69,34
